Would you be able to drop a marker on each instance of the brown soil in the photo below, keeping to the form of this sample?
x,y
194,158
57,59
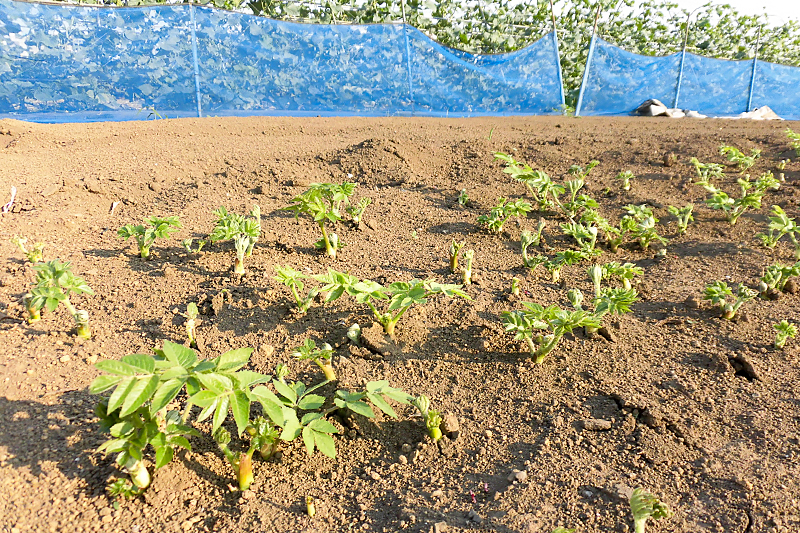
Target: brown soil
x,y
703,412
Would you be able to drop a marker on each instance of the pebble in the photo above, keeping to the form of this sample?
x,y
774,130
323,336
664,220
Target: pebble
x,y
517,475
375,476
406,447
65,358
402,460
438,493
488,433
596,424
440,527
451,426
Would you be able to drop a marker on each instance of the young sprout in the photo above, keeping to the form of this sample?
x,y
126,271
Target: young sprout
x,y
466,271
159,228
293,279
34,255
191,323
557,321
528,239
536,181
463,199
432,419
781,165
684,216
614,301
707,170
515,286
721,295
643,506
455,249
242,230
354,334
794,140
596,274
567,257
504,210
319,356
54,283
781,224
735,207
310,509
743,162
581,172
625,272
187,245
784,331
644,227
585,236
32,307
564,530
575,297
263,438
357,211
626,176
322,202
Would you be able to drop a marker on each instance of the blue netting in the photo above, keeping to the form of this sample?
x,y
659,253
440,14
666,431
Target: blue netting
x,y
618,81
71,63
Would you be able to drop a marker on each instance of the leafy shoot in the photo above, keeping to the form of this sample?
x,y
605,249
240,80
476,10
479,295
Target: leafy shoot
x,y
455,249
432,419
722,296
625,177
743,162
684,216
54,283
34,255
504,210
644,506
784,331
319,356
146,235
466,271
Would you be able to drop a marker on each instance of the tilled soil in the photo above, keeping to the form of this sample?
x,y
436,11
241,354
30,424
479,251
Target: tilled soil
x,y
701,411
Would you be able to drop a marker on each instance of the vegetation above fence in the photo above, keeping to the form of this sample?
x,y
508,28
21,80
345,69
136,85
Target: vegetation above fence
x,y
651,27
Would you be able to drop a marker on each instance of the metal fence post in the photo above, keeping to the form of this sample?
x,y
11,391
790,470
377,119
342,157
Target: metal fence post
x,y
558,57
196,65
753,75
588,65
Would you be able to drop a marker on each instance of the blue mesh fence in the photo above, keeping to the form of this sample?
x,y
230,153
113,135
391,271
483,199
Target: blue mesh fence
x,y
71,63
618,81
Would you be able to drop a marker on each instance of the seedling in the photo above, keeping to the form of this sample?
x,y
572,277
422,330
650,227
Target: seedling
x,y
575,297
310,509
242,230
614,301
538,183
357,211
515,286
596,274
775,277
322,202
34,255
401,296
575,202
781,224
707,170
625,272
455,249
263,438
644,229
191,323
684,216
794,140
721,295
466,272
581,172
294,280
319,356
504,210
553,319
31,306
187,245
432,419
743,162
752,194
54,283
784,330
781,165
354,334
145,236
616,236
566,257
625,177
585,236
463,199
643,506
528,239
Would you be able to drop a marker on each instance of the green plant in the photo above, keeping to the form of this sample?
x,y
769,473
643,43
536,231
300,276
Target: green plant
x,y
319,356
781,224
322,202
596,274
644,227
515,286
721,295
191,323
561,259
575,297
775,276
564,530
684,216
645,505
556,321
614,301
401,296
463,199
585,236
432,419
528,239
146,235
187,245
263,438
784,330
743,162
244,231
294,280
455,248
625,177
781,165
625,272
794,140
32,308
616,236
504,210
582,172
466,272
707,170
34,255
54,283
357,211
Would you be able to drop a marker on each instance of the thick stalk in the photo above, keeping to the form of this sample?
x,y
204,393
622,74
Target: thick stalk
x,y
330,250
546,348
238,265
327,369
245,469
140,477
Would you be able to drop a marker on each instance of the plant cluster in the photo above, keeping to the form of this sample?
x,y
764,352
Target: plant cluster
x,y
776,276
625,177
721,295
35,254
243,231
783,332
323,203
684,216
146,234
142,388
743,162
781,224
54,284
752,192
504,210
794,140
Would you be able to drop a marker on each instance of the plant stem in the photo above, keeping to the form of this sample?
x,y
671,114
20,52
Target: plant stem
x,y
330,250
327,369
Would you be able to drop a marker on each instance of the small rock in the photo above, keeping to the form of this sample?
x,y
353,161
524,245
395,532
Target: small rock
x,y
670,159
692,302
168,272
440,527
438,493
406,447
790,287
92,359
517,475
154,186
94,186
65,358
51,190
487,433
402,459
477,518
596,424
266,350
375,476
451,427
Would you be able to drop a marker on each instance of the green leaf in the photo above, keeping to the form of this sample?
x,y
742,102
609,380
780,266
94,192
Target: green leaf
x,y
143,363
179,354
103,383
216,382
233,360
163,456
240,404
286,391
221,413
361,408
204,398
115,367
378,401
166,393
325,444
141,392
178,440
246,378
308,439
291,425
320,424
120,393
311,402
